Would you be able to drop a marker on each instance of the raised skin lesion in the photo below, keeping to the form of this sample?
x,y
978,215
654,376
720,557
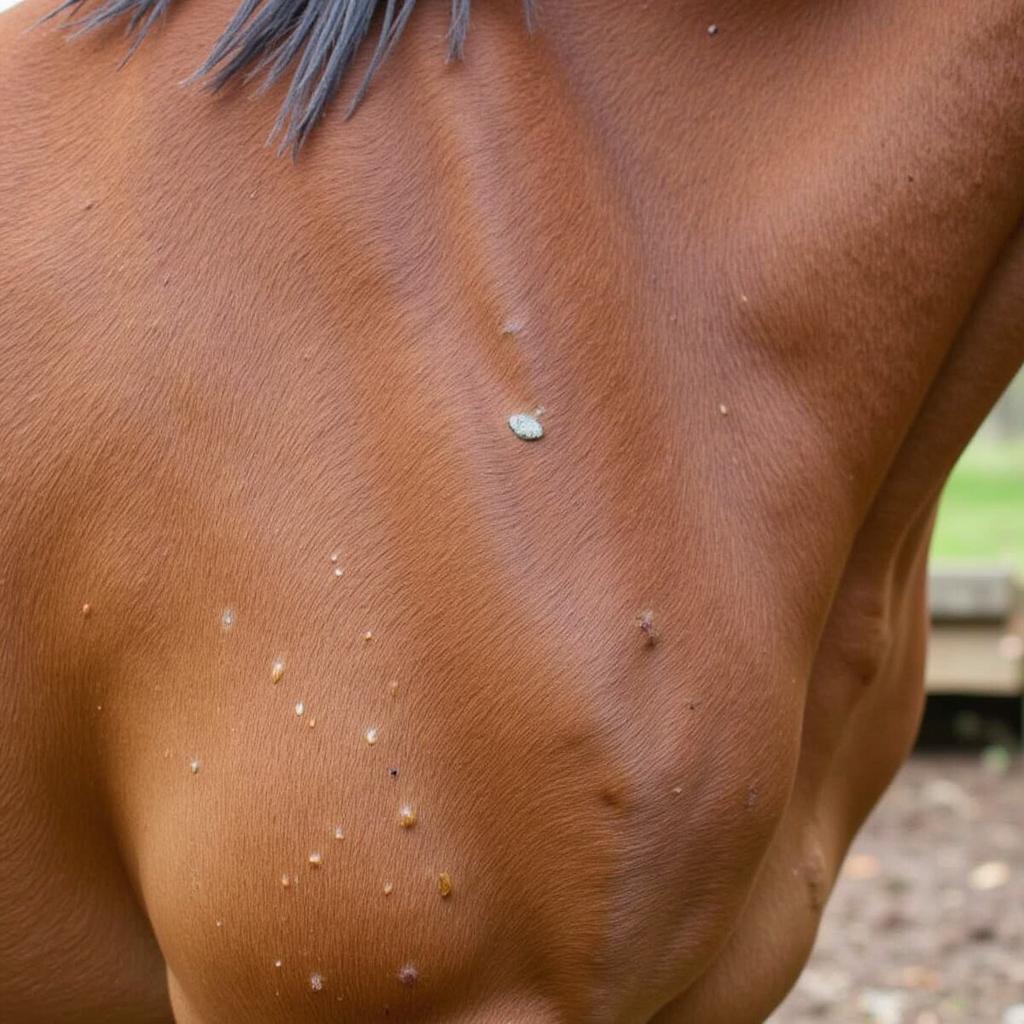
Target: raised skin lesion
x,y
550,831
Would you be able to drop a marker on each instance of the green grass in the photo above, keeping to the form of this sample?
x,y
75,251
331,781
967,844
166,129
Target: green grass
x,y
981,517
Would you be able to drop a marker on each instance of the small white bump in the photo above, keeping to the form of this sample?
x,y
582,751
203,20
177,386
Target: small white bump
x,y
525,426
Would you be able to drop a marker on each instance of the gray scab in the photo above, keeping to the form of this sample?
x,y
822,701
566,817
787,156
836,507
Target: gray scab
x,y
525,426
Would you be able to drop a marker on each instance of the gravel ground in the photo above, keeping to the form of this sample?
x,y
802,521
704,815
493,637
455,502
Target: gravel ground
x,y
926,924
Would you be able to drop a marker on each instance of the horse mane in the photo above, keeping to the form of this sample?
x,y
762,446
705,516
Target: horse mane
x,y
317,39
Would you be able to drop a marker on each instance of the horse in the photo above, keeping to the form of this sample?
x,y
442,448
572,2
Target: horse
x,y
465,561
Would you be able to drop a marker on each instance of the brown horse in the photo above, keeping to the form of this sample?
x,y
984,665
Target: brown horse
x,y
327,696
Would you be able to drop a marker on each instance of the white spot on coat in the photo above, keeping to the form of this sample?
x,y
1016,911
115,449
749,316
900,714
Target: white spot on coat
x,y
525,426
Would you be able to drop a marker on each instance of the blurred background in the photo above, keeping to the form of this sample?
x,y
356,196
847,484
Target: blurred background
x,y
926,924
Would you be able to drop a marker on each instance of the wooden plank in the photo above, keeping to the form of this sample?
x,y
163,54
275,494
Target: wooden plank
x,y
972,594
974,659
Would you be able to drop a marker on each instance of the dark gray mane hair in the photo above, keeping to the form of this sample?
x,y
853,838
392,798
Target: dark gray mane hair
x,y
317,39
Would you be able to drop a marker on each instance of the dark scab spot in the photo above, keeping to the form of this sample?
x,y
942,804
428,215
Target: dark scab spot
x,y
614,796
393,772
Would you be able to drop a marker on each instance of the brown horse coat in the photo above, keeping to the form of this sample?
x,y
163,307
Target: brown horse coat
x,y
273,568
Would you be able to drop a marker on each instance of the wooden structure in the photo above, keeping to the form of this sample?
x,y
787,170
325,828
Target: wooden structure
x,y
977,634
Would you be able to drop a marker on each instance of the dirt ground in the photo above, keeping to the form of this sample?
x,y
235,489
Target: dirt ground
x,y
926,924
